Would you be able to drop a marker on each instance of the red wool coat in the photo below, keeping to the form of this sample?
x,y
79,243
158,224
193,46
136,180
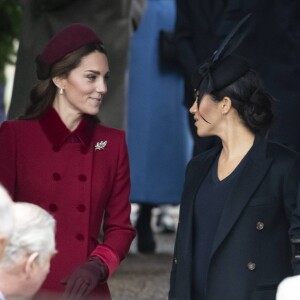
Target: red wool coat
x,y
81,178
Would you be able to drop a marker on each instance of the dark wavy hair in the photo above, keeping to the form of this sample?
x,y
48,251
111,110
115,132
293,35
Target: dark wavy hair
x,y
249,97
43,94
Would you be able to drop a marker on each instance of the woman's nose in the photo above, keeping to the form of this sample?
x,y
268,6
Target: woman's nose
x,y
193,108
101,88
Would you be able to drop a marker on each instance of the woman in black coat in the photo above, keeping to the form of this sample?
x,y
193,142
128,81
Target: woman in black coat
x,y
238,216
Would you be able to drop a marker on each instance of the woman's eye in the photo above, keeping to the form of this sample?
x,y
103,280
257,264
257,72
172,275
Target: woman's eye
x,y
106,77
91,77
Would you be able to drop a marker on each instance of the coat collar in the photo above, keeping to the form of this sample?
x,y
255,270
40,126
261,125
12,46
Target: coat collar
x,y
57,132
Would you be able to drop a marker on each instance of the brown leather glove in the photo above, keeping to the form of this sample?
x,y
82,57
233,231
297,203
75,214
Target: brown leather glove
x,y
85,279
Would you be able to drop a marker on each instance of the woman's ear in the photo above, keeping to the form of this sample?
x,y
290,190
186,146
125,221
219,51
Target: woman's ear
x,y
58,81
226,105
29,263
3,243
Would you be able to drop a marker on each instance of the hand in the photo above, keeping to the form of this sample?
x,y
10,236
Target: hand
x,y
85,279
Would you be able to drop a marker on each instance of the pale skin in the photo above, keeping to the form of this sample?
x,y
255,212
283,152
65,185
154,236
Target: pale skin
x,y
22,281
221,119
3,243
83,89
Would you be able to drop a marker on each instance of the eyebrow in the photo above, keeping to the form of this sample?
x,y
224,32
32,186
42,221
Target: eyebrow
x,y
97,72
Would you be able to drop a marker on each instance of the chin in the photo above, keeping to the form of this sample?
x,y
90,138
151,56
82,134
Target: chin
x,y
92,112
200,133
203,134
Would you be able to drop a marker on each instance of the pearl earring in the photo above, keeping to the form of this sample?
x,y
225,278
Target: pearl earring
x,y
61,91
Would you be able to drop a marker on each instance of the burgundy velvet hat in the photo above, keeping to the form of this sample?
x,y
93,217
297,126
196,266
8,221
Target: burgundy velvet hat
x,y
67,40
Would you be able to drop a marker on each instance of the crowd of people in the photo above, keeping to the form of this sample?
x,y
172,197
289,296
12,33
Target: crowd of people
x,y
65,193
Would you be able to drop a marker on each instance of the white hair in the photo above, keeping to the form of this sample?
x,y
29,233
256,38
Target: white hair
x,y
6,214
34,232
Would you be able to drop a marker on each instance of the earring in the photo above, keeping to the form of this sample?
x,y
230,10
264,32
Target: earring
x,y
61,91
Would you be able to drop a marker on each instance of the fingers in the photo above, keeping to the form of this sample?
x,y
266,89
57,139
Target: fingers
x,y
76,290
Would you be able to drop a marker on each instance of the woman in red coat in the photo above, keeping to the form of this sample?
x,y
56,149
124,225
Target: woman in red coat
x,y
58,157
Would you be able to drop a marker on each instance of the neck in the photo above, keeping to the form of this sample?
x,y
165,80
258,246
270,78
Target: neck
x,y
71,118
237,142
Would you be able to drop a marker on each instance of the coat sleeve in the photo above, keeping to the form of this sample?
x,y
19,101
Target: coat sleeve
x,y
8,157
292,187
183,35
118,230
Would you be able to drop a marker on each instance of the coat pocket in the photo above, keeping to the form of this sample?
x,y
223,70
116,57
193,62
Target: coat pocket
x,y
263,200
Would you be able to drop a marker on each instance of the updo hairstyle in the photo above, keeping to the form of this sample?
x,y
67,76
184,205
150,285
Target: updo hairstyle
x,y
252,102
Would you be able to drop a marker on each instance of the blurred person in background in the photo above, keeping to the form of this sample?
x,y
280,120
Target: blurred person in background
x,y
157,131
26,260
200,26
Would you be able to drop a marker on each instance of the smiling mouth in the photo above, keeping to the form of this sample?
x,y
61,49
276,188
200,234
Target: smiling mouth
x,y
96,99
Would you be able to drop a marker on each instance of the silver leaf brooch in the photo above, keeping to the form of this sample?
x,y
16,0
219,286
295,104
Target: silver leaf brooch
x,y
100,145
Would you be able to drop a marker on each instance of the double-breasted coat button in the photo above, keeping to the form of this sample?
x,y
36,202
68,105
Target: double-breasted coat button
x,y
82,177
80,237
81,208
175,261
260,225
53,207
56,176
251,266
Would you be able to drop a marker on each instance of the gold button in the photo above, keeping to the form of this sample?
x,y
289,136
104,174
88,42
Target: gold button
x,y
260,225
251,266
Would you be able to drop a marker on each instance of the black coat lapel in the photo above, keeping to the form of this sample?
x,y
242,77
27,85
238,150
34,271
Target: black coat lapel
x,y
248,181
196,172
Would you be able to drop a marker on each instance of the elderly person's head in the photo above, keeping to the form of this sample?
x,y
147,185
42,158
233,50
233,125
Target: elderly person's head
x,y
26,260
6,219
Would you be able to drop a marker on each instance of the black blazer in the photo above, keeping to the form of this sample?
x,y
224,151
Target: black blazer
x,y
251,251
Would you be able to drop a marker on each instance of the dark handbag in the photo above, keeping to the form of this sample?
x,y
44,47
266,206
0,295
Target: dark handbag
x,y
167,50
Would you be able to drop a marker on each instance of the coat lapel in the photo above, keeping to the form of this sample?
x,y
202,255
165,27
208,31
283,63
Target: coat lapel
x,y
247,183
196,172
195,175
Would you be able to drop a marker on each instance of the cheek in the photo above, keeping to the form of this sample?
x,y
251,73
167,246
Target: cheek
x,y
79,88
204,109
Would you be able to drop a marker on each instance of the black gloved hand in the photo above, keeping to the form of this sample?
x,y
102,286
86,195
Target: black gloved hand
x,y
85,279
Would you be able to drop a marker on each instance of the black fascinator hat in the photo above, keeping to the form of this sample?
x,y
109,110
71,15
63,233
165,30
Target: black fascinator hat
x,y
223,68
